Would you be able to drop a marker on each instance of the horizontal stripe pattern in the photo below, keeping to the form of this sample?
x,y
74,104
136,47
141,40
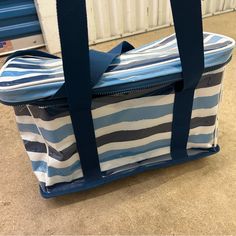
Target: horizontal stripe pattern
x,y
130,128
150,109
127,131
44,77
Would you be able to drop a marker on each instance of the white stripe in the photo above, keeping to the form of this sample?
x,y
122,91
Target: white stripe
x,y
133,159
200,145
139,57
155,52
46,64
133,125
157,137
149,101
205,112
133,143
133,103
48,125
144,48
49,181
160,63
30,75
31,137
136,125
29,84
206,40
207,92
51,162
139,68
215,71
202,130
62,145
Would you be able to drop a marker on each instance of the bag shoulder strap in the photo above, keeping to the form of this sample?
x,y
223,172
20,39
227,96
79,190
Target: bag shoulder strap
x,y
72,22
189,32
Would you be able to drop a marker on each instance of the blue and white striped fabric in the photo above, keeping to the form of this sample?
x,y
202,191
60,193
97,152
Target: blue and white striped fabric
x,y
27,79
127,131
130,127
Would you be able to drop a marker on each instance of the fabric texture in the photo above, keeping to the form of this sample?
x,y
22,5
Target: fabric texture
x,y
129,128
29,78
132,128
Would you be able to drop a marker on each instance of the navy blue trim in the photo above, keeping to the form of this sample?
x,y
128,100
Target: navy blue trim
x,y
189,33
99,62
31,53
181,123
81,185
75,56
144,84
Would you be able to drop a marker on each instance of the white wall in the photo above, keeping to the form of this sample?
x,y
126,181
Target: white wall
x,y
110,19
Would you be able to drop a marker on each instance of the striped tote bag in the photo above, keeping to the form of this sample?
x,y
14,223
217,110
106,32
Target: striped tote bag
x,y
93,117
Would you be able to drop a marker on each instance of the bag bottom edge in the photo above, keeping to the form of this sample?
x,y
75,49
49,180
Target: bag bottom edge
x,y
82,185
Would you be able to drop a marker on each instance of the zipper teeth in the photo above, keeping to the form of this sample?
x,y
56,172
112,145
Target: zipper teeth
x,y
136,89
133,90
122,91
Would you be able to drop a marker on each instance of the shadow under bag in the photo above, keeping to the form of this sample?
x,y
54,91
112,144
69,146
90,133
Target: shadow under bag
x,y
93,117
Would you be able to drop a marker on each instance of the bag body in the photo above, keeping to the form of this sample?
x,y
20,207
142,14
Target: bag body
x,y
91,119
133,127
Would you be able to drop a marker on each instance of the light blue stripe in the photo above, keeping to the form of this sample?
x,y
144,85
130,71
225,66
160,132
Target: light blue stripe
x,y
58,135
46,90
128,115
119,154
133,114
41,166
206,102
116,154
157,71
37,62
54,136
151,112
14,74
28,128
201,138
214,39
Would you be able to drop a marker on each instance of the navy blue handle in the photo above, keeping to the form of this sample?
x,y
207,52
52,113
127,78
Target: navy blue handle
x,y
72,20
187,16
33,53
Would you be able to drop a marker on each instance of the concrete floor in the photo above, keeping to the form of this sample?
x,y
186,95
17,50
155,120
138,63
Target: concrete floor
x,y
193,198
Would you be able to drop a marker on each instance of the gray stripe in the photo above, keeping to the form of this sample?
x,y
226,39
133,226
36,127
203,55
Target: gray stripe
x,y
49,113
131,135
35,147
58,111
207,81
21,111
63,155
141,63
210,80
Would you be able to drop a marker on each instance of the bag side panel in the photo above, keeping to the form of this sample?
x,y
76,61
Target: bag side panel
x,y
135,127
205,111
50,143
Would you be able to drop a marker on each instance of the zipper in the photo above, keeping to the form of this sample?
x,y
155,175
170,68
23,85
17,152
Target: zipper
x,y
128,88
119,89
63,101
